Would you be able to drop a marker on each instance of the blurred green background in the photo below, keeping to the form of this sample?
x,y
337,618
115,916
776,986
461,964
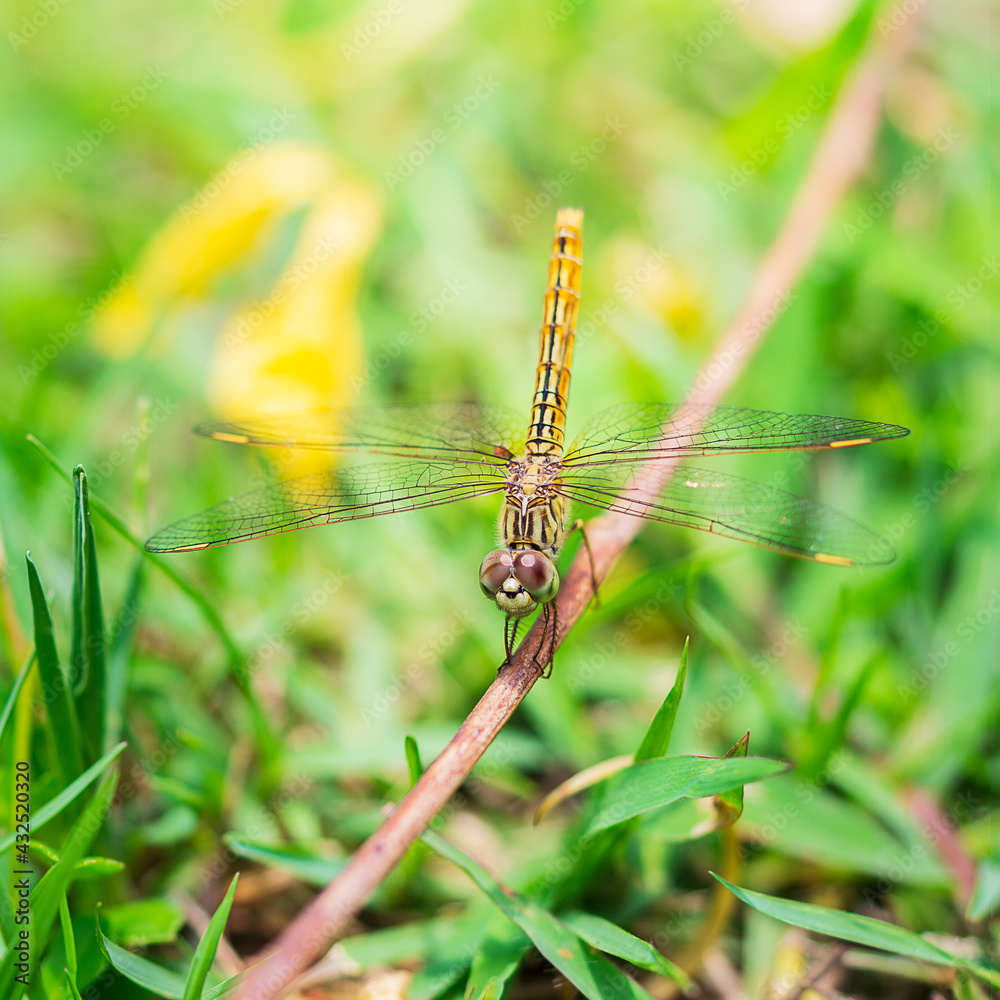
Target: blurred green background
x,y
170,174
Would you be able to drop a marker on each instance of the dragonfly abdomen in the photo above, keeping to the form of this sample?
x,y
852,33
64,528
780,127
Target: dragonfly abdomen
x,y
546,433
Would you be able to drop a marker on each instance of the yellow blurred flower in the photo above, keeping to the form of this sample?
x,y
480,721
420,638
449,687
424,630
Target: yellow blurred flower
x,y
298,347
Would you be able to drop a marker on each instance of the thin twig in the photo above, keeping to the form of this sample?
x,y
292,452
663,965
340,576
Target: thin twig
x,y
841,155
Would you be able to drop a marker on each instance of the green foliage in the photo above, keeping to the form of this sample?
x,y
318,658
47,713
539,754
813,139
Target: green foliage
x,y
273,695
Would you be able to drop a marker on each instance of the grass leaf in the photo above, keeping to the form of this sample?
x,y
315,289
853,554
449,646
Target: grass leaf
x,y
204,954
650,784
88,623
63,725
613,940
592,975
657,738
857,928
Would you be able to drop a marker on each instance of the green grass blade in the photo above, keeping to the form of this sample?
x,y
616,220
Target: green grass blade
x,y
54,884
856,928
657,738
310,868
77,648
121,654
159,981
64,728
91,698
986,891
593,975
496,959
140,470
56,805
613,940
14,692
413,762
204,954
650,784
71,986
729,804
69,942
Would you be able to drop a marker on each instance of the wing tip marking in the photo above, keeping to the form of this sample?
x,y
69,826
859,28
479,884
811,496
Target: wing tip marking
x,y
851,443
831,560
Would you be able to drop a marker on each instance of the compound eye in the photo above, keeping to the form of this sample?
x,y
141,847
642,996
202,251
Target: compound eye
x,y
495,569
536,573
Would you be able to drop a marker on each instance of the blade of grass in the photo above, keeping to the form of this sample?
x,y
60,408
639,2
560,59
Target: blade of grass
x,y
14,692
204,954
91,689
657,738
857,928
416,768
593,975
63,726
69,942
159,981
121,652
650,784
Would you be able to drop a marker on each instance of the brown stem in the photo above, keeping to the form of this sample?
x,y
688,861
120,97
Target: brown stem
x,y
841,155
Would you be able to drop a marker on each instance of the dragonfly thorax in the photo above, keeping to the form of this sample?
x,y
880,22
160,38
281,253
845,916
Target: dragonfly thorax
x,y
534,514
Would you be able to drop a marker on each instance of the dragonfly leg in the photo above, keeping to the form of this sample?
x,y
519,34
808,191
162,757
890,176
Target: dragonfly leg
x,y
550,631
578,525
510,627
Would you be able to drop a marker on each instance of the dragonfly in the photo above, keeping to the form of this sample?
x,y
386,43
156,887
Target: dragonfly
x,y
441,453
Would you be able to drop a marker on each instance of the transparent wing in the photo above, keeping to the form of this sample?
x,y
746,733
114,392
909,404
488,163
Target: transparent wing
x,y
346,495
435,431
658,430
740,509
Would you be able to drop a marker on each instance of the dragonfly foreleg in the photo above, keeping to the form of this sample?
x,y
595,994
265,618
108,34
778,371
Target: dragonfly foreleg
x,y
578,525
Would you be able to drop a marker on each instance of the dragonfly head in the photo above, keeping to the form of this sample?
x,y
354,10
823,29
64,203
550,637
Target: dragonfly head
x,y
518,581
